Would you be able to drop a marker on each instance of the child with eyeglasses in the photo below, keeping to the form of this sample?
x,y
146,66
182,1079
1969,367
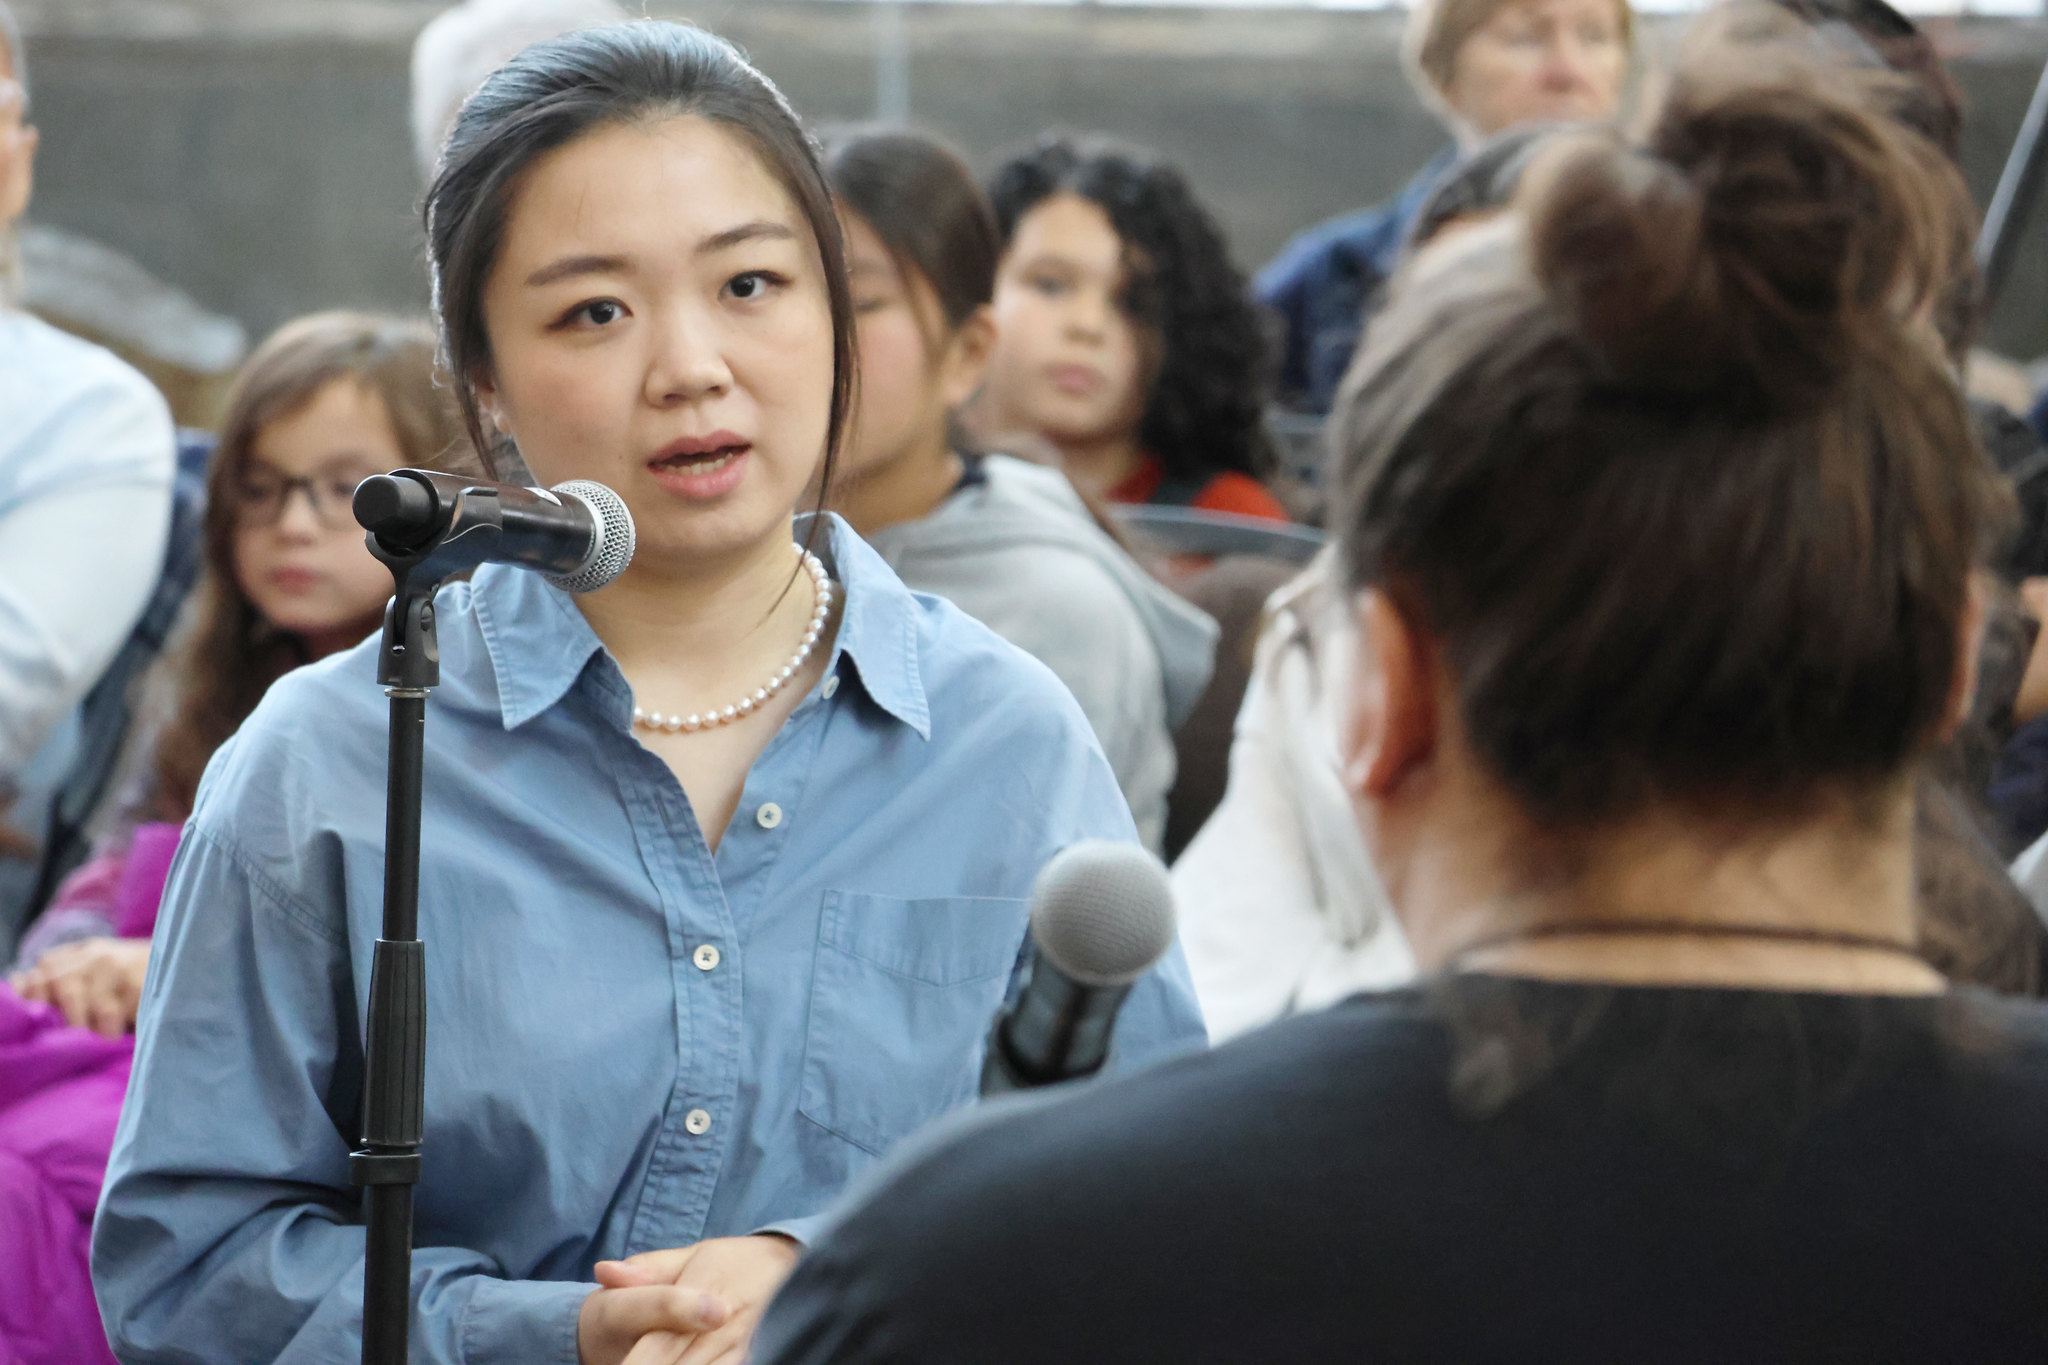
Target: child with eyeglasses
x,y
327,401
324,402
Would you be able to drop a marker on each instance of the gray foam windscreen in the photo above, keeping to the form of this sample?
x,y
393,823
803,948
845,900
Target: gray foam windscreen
x,y
611,550
1102,912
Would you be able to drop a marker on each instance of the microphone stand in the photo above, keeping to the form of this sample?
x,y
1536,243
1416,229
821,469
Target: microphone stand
x,y
409,516
426,527
387,1165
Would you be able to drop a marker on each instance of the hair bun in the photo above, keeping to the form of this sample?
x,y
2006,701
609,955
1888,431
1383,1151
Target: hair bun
x,y
1774,220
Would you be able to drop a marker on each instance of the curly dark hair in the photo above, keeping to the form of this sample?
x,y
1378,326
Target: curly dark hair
x,y
1205,413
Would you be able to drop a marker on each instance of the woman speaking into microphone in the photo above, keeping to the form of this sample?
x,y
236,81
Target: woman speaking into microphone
x,y
724,865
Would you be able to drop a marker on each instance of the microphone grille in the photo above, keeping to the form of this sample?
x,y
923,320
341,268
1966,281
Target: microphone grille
x,y
1102,912
611,549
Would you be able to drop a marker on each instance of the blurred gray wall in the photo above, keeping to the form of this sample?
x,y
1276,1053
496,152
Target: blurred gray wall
x,y
255,152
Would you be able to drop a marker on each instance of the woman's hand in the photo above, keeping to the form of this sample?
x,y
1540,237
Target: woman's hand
x,y
616,1320
95,983
743,1272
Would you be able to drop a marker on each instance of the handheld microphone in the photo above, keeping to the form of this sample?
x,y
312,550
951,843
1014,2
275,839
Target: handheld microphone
x,y
578,535
1101,916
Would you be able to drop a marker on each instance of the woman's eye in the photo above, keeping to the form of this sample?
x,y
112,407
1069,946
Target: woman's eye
x,y
867,307
1049,285
596,313
752,285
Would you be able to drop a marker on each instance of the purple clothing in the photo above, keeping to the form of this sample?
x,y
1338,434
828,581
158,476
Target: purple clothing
x,y
60,1097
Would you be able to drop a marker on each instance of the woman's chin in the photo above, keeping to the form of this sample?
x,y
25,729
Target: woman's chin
x,y
681,537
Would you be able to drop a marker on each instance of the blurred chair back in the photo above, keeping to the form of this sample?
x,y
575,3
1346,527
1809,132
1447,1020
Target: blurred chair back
x,y
106,715
1233,590
1190,531
1297,441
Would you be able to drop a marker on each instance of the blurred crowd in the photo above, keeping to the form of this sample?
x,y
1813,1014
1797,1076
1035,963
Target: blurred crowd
x,y
1078,416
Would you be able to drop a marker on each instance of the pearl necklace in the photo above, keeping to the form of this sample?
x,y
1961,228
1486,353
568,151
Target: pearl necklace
x,y
821,589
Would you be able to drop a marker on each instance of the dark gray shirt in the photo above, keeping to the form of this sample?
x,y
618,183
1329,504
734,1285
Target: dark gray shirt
x,y
1483,1170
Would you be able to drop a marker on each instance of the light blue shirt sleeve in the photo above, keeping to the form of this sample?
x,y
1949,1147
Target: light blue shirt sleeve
x,y
241,1239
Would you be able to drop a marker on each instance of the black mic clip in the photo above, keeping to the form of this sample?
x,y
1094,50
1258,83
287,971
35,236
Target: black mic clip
x,y
406,516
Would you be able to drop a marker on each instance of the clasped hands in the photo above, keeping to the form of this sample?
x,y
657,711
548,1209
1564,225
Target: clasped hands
x,y
95,983
693,1305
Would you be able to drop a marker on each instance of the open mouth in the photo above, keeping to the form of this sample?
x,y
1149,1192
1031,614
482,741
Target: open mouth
x,y
695,463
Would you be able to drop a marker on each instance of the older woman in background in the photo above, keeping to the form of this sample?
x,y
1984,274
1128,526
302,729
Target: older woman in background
x,y
1484,66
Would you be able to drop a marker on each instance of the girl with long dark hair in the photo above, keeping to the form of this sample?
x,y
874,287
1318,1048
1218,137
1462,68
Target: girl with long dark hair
x,y
1124,332
725,864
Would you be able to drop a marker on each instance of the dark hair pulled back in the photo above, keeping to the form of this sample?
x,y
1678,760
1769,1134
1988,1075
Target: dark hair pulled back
x,y
557,91
1205,412
923,202
1668,468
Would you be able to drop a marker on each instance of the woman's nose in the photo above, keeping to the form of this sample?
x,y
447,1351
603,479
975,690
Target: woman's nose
x,y
687,364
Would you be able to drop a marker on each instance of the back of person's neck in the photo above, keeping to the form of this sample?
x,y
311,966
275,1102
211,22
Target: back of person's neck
x,y
1675,898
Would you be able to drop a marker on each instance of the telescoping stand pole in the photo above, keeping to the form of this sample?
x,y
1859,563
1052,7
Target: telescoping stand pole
x,y
387,1165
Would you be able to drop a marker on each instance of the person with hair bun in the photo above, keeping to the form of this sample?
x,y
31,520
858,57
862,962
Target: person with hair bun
x,y
1659,520
1124,333
725,865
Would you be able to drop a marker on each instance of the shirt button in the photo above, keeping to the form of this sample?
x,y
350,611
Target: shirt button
x,y
769,816
698,1122
706,956
831,686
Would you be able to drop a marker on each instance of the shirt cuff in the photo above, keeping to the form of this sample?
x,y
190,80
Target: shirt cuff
x,y
802,1231
525,1320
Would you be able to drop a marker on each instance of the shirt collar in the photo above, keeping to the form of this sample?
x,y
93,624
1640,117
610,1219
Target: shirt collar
x,y
539,643
878,628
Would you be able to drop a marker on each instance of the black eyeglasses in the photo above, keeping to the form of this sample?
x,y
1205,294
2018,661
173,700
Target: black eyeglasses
x,y
260,498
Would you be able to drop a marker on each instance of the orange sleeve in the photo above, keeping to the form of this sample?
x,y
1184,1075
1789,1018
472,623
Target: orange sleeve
x,y
1231,491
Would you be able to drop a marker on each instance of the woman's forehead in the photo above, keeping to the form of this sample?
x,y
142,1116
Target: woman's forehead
x,y
649,184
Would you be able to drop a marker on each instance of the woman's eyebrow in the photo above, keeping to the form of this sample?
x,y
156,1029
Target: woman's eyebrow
x,y
570,266
760,229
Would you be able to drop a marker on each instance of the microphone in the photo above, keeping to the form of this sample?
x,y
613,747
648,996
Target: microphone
x,y
578,535
1101,916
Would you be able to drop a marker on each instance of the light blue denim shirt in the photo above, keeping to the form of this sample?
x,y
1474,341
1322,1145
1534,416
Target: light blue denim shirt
x,y
632,1042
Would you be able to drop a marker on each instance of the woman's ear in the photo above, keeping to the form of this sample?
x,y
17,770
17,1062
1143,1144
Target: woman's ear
x,y
967,353
485,387
1391,720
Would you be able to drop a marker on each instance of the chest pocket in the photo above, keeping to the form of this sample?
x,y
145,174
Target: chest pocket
x,y
901,997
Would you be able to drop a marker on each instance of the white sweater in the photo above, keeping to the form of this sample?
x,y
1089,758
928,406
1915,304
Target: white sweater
x,y
1280,911
87,452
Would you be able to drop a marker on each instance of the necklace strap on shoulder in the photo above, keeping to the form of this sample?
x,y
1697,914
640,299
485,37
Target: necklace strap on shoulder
x,y
1678,928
